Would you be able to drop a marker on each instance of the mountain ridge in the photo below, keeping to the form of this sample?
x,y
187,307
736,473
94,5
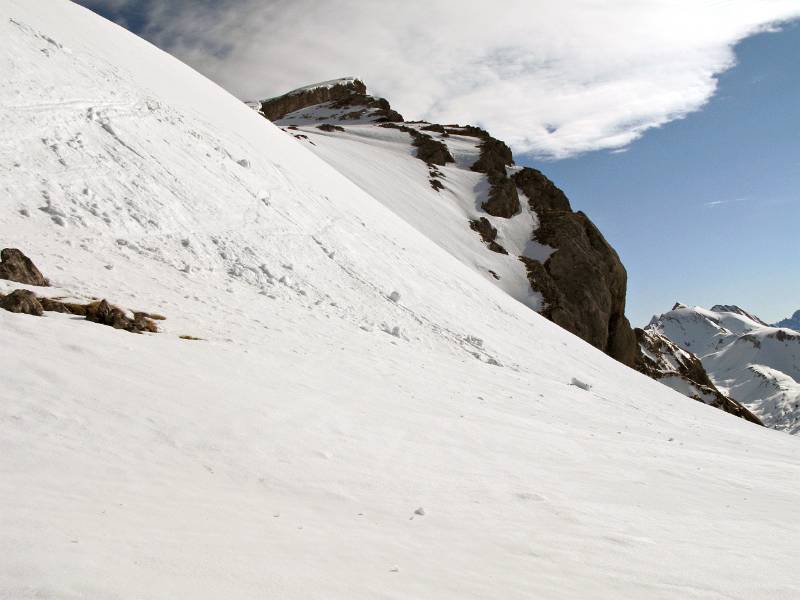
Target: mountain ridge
x,y
581,280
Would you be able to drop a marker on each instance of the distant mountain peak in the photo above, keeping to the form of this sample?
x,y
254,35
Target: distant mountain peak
x,y
732,308
792,322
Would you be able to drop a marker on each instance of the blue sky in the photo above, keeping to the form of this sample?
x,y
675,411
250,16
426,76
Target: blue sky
x,y
706,210
703,209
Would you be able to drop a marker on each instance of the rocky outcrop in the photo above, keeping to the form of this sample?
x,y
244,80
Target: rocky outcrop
x,y
21,301
583,282
348,95
494,157
683,371
100,311
429,150
15,266
488,234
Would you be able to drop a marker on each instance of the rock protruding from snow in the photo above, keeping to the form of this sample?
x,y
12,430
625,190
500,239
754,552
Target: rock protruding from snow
x,y
342,99
21,301
15,266
583,282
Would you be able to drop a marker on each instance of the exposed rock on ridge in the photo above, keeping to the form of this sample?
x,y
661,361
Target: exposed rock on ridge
x,y
340,94
584,282
681,370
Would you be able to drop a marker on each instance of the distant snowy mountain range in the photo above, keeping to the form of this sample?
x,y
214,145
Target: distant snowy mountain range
x,y
792,322
744,358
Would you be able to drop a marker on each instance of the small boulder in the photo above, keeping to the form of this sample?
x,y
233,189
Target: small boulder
x,y
15,266
22,301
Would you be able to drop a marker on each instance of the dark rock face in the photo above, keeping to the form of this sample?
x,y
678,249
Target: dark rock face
x,y
662,359
15,266
541,192
429,150
488,234
467,130
275,108
583,282
21,301
503,197
495,156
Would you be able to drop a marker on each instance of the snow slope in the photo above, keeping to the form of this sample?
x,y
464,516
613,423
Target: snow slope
x,y
286,454
753,363
382,162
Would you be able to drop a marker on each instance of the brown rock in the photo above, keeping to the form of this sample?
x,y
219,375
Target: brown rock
x,y
503,197
541,192
583,283
107,314
488,234
22,301
15,266
342,95
430,150
494,158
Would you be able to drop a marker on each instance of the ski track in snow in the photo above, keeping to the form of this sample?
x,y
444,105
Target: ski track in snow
x,y
283,454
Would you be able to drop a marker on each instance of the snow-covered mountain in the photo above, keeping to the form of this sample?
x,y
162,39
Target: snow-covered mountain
x,y
792,322
754,363
459,186
363,414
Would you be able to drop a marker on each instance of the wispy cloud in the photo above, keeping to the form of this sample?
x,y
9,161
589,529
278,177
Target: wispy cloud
x,y
715,203
552,78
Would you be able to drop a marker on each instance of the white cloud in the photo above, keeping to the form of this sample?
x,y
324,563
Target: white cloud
x,y
550,78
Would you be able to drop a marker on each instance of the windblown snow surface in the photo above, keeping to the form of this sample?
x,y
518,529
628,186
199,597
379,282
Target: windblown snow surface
x,y
756,364
365,416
